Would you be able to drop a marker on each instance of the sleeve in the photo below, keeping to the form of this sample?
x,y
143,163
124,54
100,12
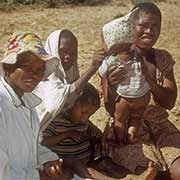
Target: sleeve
x,y
50,130
8,172
45,154
56,94
109,60
165,62
103,68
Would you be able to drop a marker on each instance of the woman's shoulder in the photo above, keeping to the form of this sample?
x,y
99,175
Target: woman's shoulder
x,y
163,55
164,60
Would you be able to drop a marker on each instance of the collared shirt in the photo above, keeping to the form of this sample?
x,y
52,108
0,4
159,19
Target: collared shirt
x,y
20,152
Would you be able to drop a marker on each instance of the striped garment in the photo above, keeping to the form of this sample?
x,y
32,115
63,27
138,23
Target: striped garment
x,y
69,147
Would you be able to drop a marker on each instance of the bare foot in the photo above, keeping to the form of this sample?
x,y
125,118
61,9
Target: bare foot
x,y
151,171
132,132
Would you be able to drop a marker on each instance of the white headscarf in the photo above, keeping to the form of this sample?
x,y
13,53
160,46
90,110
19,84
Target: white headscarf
x,y
58,91
52,48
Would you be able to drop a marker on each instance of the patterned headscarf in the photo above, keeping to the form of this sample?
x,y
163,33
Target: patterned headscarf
x,y
26,41
120,30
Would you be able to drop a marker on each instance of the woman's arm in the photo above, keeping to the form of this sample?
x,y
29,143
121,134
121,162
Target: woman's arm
x,y
165,94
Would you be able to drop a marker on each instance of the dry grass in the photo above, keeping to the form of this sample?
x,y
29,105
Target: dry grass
x,y
86,23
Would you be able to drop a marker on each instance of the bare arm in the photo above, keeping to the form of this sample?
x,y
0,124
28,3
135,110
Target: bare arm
x,y
96,62
164,95
50,141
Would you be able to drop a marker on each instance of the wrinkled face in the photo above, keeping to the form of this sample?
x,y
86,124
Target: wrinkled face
x,y
81,112
28,74
147,27
67,51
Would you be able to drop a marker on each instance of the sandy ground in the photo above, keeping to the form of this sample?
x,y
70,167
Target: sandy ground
x,y
86,23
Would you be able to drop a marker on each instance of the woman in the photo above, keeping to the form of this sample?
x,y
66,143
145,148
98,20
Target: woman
x,y
157,67
21,156
63,86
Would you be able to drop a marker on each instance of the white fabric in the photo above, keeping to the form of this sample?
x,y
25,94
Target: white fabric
x,y
76,177
20,152
59,90
120,30
134,85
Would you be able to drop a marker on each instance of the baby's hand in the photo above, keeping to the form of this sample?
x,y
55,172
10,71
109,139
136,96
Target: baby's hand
x,y
51,170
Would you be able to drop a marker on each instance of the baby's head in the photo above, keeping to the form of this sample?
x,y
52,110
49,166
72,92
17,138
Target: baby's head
x,y
119,33
86,105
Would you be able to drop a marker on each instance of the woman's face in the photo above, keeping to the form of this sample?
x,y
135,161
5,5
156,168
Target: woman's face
x,y
28,74
147,27
67,52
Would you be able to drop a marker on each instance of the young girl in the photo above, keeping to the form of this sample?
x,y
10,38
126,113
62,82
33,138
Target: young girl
x,y
133,91
61,88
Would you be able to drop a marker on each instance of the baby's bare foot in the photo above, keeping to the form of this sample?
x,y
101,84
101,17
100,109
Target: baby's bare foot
x,y
132,132
151,171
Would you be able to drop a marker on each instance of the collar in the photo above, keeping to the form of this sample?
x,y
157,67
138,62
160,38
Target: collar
x,y
30,100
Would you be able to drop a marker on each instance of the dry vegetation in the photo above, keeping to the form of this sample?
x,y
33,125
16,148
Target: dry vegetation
x,y
86,23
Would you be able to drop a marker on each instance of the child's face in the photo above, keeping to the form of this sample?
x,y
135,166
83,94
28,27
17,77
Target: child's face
x,y
81,112
67,52
28,74
147,27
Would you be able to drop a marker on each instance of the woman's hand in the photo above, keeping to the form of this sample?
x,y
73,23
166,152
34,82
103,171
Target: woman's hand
x,y
116,74
52,170
94,131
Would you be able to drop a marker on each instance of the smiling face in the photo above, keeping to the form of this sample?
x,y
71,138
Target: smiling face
x,y
28,73
67,49
147,28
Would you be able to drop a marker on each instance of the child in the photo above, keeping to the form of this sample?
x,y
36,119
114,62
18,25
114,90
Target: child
x,y
67,134
133,92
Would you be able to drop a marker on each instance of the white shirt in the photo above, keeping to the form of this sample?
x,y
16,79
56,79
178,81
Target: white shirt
x,y
20,152
134,85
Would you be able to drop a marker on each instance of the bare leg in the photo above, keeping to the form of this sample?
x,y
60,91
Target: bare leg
x,y
82,170
137,109
121,115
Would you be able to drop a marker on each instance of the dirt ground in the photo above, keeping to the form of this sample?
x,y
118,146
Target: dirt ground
x,y
86,22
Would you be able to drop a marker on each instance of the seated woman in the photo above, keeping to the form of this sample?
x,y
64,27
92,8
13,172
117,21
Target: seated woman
x,y
157,134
